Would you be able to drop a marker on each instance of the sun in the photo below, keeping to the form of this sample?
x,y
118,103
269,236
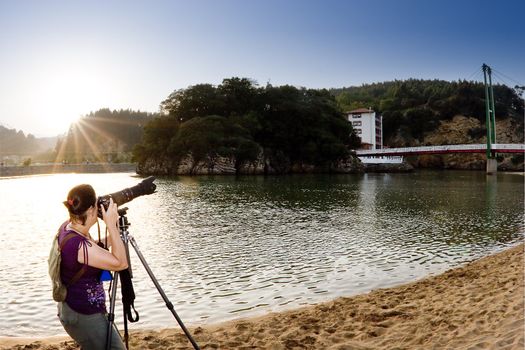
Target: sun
x,y
65,94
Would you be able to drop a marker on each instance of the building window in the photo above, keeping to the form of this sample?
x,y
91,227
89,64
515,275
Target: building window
x,y
356,116
356,123
358,131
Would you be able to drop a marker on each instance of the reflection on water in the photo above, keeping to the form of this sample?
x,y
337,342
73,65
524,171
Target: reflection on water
x,y
227,247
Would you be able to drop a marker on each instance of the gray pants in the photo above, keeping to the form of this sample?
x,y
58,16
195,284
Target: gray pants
x,y
89,331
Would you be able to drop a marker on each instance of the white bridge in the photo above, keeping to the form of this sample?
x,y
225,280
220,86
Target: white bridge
x,y
444,149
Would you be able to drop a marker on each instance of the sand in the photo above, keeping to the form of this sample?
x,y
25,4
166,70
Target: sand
x,y
477,306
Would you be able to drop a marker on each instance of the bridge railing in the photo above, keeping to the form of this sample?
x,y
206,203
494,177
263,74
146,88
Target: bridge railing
x,y
501,147
469,148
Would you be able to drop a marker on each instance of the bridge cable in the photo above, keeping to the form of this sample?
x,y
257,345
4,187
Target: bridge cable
x,y
500,79
506,76
474,74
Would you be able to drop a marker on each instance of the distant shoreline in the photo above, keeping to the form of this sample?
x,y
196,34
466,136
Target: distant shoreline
x,y
39,169
45,169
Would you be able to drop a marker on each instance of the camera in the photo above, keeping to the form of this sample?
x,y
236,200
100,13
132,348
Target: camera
x,y
146,186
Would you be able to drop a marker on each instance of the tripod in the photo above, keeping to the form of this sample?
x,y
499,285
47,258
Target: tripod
x,y
127,238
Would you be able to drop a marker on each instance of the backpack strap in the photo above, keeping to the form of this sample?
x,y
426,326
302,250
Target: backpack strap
x,y
77,275
80,272
67,238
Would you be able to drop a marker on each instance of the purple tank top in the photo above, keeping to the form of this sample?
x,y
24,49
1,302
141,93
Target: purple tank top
x,y
86,295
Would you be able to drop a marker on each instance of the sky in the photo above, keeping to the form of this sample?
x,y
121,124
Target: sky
x,y
60,60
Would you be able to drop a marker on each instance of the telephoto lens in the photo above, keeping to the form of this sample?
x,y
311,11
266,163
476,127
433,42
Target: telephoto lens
x,y
146,186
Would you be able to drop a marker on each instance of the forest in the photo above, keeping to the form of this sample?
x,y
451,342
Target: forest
x,y
411,108
286,124
13,142
298,125
103,136
16,147
239,119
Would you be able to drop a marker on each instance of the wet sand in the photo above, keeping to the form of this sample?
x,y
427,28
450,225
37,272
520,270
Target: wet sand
x,y
477,306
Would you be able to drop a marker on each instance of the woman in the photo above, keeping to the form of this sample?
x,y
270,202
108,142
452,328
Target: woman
x,y
83,313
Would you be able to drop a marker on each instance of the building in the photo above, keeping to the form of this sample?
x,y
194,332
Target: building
x,y
368,126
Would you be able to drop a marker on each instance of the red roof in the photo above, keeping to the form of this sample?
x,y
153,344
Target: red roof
x,y
361,110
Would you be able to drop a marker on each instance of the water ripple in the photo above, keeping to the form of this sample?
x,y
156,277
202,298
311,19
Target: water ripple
x,y
226,247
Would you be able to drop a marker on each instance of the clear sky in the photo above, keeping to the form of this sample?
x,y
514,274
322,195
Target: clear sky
x,y
60,60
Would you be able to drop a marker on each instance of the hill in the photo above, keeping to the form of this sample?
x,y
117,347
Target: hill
x,y
16,143
414,108
104,135
238,127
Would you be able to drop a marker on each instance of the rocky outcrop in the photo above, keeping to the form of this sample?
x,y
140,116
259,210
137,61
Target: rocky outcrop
x,y
388,168
464,130
349,165
187,166
459,130
228,166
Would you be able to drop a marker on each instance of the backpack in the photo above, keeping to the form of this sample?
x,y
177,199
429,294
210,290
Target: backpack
x,y
54,260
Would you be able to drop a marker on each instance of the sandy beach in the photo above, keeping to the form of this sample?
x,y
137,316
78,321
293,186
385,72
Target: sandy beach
x,y
477,306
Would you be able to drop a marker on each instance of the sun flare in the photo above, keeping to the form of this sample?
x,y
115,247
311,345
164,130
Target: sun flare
x,y
64,95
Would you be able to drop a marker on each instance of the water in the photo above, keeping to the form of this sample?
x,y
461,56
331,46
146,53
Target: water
x,y
227,247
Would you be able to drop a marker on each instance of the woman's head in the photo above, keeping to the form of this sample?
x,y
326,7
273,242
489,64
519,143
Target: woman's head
x,y
80,199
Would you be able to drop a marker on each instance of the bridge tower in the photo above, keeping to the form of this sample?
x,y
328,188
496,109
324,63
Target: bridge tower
x,y
490,120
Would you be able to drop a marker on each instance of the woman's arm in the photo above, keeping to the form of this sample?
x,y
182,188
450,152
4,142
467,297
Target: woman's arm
x,y
114,260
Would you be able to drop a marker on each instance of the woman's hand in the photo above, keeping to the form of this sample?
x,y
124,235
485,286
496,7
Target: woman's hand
x,y
110,216
114,260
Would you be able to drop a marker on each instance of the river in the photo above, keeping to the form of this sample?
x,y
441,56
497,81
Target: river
x,y
225,247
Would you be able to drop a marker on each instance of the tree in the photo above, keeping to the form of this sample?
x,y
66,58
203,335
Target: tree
x,y
104,132
238,96
241,120
196,101
213,136
13,142
413,107
157,138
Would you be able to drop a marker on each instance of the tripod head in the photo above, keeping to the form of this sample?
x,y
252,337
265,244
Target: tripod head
x,y
122,211
123,222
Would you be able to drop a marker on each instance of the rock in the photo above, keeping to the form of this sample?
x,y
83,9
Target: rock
x,y
185,166
302,168
453,132
465,130
217,165
350,165
388,168
212,165
255,167
512,163
160,166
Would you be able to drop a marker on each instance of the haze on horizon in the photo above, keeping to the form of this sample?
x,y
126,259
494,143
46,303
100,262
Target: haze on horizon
x,y
61,59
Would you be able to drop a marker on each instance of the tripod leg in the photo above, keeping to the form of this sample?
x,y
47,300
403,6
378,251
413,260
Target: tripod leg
x,y
111,314
126,335
169,305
